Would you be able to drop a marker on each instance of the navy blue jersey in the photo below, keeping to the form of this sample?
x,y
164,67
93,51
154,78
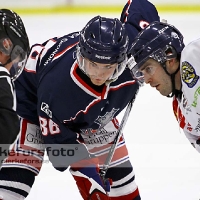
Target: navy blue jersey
x,y
77,119
54,93
136,15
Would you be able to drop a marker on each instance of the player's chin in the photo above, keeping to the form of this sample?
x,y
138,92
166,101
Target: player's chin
x,y
164,93
98,82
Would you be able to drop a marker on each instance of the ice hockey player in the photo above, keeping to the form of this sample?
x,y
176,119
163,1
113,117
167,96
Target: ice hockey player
x,y
14,47
166,64
72,88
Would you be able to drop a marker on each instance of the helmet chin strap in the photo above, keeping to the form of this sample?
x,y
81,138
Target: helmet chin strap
x,y
172,76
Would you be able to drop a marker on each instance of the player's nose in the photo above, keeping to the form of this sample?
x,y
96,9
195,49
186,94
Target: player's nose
x,y
100,73
147,79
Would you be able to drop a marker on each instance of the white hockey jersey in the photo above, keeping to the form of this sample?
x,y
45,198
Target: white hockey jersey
x,y
187,108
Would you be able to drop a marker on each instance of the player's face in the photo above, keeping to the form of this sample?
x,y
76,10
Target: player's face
x,y
99,73
4,58
155,75
12,57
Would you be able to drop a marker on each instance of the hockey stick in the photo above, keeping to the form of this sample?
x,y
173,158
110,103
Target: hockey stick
x,y
116,140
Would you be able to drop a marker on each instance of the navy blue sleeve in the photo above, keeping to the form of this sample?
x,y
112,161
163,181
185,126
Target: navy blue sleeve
x,y
63,145
27,83
26,90
136,15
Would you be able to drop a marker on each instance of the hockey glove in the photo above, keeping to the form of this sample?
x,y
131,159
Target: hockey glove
x,y
88,180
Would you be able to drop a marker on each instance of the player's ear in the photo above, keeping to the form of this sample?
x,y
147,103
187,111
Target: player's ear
x,y
171,61
172,64
3,57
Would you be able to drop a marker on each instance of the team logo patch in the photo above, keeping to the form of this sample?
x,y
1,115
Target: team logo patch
x,y
45,109
196,96
188,74
103,120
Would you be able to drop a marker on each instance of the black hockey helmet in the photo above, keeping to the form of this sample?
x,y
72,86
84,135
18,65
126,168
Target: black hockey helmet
x,y
13,41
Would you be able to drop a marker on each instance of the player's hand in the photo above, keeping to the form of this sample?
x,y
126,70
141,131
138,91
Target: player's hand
x,y
88,180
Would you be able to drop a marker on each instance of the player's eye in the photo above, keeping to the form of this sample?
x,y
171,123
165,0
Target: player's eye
x,y
109,67
93,64
148,70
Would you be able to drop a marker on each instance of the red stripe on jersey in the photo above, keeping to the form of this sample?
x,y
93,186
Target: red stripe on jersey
x,y
175,107
23,136
24,155
178,114
31,71
102,152
126,12
62,52
113,88
115,123
86,85
83,111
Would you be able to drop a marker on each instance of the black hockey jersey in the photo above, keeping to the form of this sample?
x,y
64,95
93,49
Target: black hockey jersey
x,y
9,121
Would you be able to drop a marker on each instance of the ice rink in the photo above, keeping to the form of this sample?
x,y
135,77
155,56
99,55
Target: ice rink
x,y
166,165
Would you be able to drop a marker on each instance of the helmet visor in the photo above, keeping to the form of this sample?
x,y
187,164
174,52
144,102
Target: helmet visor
x,y
135,69
109,72
94,69
17,66
158,55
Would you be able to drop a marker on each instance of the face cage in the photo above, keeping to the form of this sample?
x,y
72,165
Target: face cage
x,y
118,71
